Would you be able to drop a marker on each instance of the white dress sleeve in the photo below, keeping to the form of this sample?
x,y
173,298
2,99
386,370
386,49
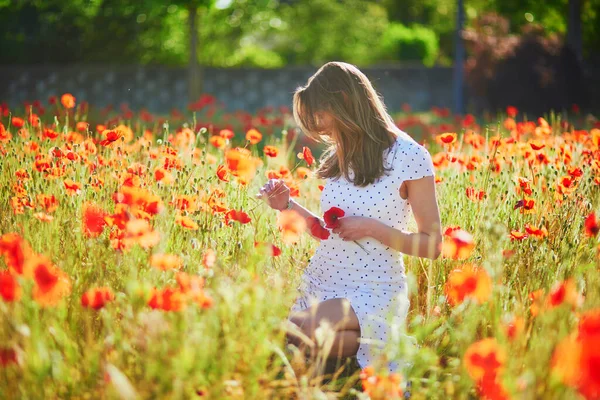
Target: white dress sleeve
x,y
415,163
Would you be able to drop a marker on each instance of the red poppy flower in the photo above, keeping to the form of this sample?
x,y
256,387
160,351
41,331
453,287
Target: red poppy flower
x,y
332,217
239,216
97,298
307,156
592,226
316,229
9,287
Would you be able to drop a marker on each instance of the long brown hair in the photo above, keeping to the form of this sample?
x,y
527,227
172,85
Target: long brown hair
x,y
362,125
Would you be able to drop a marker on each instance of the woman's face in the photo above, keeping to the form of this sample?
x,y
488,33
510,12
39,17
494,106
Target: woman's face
x,y
325,123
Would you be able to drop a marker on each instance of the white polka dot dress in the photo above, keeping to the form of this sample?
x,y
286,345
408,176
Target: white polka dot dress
x,y
374,283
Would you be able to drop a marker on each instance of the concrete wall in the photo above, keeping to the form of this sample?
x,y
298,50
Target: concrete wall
x,y
160,89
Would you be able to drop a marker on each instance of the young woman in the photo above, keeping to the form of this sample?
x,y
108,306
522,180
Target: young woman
x,y
376,174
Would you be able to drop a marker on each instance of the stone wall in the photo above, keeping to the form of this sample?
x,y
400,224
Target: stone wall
x,y
160,89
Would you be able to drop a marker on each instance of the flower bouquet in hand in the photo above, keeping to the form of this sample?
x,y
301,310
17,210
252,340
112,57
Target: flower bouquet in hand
x,y
331,218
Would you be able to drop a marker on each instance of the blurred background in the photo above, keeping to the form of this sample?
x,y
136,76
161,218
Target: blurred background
x,y
470,56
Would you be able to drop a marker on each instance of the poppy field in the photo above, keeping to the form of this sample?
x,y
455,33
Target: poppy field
x,y
136,261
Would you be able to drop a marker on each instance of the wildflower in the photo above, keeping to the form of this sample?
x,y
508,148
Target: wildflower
x,y
468,281
51,283
186,222
459,244
9,287
270,151
381,387
291,224
67,100
15,250
93,220
165,262
209,258
316,229
332,217
97,298
592,226
576,358
253,136
307,156
239,216
484,361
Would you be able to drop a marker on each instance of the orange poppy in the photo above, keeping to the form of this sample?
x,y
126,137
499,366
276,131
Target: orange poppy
x,y
209,258
67,100
226,134
240,163
166,262
97,298
447,138
222,173
458,245
517,235
217,141
468,281
271,151
186,222
72,187
43,217
381,387
576,358
302,173
536,297
167,299
564,292
141,232
484,357
291,224
164,176
15,251
253,136
51,283
239,216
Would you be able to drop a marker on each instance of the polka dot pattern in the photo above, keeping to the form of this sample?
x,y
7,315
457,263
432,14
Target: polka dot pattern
x,y
373,282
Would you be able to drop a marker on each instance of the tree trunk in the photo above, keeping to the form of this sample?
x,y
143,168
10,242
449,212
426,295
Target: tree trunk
x,y
459,59
574,36
194,69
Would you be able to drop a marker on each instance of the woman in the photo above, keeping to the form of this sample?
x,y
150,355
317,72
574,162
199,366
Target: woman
x,y
375,173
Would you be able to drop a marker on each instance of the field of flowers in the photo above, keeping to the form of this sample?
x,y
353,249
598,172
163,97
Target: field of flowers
x,y
136,262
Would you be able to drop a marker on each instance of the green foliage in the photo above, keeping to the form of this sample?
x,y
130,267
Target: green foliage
x,y
416,43
265,33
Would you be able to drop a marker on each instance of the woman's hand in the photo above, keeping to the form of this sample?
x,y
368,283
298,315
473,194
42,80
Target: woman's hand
x,y
354,228
275,193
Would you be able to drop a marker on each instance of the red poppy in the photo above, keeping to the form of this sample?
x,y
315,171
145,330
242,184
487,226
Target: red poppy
x,y
316,229
17,122
512,111
307,156
332,217
270,151
97,298
111,136
93,220
9,287
239,216
591,225
253,136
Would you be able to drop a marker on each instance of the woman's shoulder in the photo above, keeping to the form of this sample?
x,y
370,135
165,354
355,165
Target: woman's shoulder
x,y
407,146
412,158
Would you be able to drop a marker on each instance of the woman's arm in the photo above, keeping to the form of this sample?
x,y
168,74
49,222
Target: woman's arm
x,y
304,212
425,243
277,194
